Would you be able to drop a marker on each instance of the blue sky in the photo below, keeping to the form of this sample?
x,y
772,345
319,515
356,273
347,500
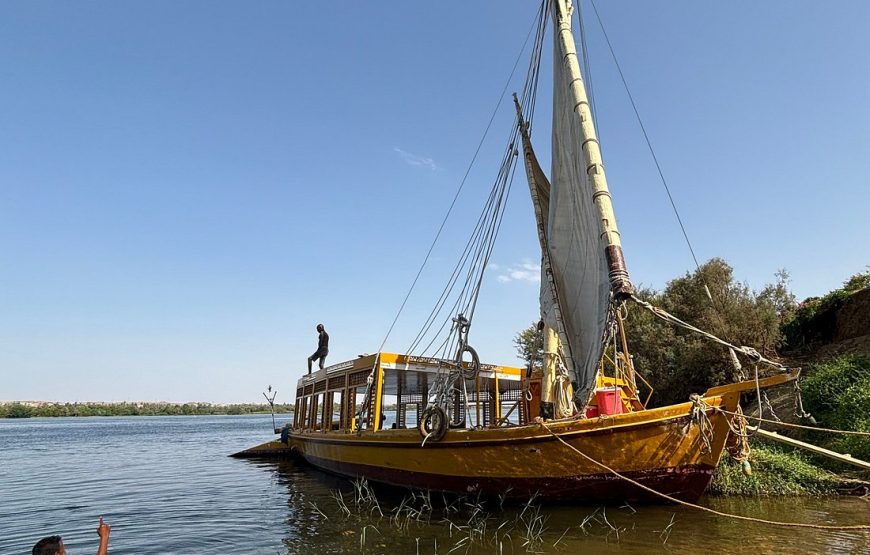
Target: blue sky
x,y
187,188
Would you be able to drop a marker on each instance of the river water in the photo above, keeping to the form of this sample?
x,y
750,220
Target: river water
x,y
166,485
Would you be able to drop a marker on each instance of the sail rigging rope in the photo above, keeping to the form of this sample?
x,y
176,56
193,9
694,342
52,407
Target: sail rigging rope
x,y
718,310
701,507
645,135
474,259
587,67
459,189
536,27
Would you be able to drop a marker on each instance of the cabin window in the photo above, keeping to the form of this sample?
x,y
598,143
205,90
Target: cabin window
x,y
359,400
301,412
513,409
326,412
349,407
336,404
407,414
315,414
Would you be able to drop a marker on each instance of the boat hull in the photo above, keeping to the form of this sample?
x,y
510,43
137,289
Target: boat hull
x,y
686,483
663,449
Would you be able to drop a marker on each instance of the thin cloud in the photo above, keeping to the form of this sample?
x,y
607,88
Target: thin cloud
x,y
525,271
417,160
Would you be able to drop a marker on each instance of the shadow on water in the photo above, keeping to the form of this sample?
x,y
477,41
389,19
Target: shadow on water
x,y
331,514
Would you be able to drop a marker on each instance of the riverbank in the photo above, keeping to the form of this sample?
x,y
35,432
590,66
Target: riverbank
x,y
836,391
780,472
28,409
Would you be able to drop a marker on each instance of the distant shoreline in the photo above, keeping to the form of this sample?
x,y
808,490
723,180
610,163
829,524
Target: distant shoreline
x,y
29,409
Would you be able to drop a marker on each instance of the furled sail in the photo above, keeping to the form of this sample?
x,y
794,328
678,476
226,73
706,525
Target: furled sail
x,y
575,244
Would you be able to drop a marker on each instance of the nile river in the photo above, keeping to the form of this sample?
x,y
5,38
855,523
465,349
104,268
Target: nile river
x,y
166,485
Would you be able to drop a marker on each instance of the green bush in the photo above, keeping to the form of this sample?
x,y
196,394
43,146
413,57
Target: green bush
x,y
17,410
837,393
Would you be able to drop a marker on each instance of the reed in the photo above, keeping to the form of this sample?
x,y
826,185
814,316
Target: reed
x,y
472,524
666,533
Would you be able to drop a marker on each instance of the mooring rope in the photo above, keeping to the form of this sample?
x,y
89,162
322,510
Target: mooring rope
x,y
741,451
790,425
700,507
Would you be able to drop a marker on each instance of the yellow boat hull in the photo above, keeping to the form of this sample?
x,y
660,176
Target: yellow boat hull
x,y
660,448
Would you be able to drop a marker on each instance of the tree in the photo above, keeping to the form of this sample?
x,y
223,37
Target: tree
x,y
859,281
529,344
779,299
678,362
17,410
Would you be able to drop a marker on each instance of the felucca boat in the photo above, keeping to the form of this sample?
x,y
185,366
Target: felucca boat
x,y
574,427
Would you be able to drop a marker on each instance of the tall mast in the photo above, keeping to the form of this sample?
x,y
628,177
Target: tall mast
x,y
620,284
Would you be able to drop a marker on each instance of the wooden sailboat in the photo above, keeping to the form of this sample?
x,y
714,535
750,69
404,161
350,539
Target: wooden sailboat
x,y
575,429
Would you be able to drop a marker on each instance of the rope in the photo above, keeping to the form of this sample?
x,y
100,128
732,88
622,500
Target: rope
x,y
705,427
769,406
740,451
486,228
646,136
790,425
564,406
717,310
463,286
757,394
458,190
700,507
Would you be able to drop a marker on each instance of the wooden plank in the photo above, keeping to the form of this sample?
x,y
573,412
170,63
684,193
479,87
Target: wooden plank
x,y
848,459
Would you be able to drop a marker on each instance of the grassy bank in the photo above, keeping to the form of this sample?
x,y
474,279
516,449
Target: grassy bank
x,y
774,472
837,393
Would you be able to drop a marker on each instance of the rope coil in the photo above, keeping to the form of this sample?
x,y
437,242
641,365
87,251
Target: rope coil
x,y
705,427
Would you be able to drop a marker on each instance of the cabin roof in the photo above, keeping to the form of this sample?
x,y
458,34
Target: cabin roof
x,y
411,365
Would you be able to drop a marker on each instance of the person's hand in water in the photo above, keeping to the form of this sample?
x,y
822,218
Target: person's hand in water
x,y
103,530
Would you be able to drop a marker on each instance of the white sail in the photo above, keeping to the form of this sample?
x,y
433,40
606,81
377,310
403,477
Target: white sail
x,y
575,242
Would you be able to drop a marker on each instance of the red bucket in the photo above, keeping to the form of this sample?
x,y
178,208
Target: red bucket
x,y
609,400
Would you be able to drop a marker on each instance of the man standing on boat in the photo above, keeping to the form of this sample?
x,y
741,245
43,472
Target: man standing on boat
x,y
322,347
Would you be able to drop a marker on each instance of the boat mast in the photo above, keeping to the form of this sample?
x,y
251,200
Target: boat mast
x,y
548,379
620,285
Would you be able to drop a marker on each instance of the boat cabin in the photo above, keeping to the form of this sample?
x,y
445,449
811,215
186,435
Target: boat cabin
x,y
329,399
